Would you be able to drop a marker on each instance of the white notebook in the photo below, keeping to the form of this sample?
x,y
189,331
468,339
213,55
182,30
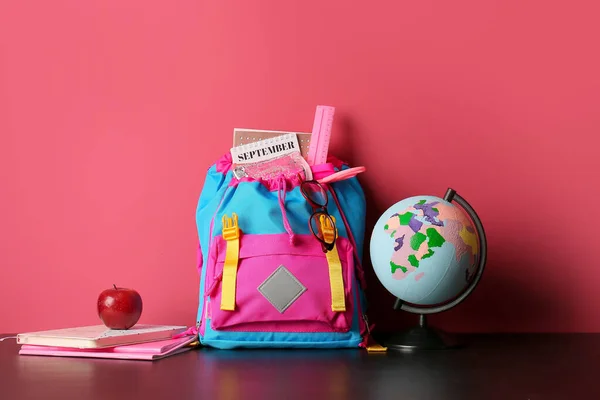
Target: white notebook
x,y
99,336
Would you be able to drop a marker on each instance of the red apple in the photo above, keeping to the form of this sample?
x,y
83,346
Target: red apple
x,y
119,308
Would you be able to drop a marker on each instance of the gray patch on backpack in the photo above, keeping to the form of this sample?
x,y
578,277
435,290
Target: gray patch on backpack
x,y
281,289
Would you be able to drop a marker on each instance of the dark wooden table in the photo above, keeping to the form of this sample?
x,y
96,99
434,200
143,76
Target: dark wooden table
x,y
491,367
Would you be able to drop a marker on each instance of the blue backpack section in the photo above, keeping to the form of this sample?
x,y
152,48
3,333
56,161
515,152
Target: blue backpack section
x,y
253,198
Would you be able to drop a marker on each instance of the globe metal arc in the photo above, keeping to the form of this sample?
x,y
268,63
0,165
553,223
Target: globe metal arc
x,y
451,196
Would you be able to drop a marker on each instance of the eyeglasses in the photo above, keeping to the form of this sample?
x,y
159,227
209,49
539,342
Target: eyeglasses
x,y
321,223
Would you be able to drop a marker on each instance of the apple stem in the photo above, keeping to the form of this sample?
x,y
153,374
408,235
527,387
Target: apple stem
x,y
115,286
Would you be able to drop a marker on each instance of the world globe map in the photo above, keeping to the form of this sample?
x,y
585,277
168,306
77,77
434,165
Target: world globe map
x,y
424,250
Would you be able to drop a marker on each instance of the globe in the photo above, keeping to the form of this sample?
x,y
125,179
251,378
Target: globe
x,y
428,252
424,250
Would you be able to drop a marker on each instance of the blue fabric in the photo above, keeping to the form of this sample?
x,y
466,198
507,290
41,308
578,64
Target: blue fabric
x,y
259,212
215,185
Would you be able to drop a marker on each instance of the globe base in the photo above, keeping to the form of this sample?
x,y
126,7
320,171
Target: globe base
x,y
422,337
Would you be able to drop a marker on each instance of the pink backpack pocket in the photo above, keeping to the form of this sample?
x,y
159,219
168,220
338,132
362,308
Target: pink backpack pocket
x,y
280,287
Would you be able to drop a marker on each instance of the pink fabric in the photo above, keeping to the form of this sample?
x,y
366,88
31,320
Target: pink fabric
x,y
270,184
321,171
260,255
199,259
286,223
224,163
192,330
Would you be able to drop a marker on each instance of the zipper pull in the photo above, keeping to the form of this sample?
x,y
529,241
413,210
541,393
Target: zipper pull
x,y
211,290
191,331
369,343
239,172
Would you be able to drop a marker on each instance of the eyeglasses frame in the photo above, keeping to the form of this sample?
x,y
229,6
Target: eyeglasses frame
x,y
317,211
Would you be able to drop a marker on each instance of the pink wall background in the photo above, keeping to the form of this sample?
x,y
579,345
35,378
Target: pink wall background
x,y
111,112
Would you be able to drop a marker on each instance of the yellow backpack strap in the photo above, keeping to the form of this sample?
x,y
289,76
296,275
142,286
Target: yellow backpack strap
x,y
231,233
336,279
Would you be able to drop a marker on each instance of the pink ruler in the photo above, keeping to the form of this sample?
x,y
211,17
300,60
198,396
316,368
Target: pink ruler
x,y
321,135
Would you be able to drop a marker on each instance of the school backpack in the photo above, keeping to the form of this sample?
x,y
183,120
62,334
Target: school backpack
x,y
265,279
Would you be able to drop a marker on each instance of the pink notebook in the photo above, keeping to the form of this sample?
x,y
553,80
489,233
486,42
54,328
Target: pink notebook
x,y
142,351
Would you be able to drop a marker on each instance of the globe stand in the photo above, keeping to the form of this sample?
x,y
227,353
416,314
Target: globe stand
x,y
424,337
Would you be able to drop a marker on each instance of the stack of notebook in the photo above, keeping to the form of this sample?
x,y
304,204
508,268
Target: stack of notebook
x,y
140,342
